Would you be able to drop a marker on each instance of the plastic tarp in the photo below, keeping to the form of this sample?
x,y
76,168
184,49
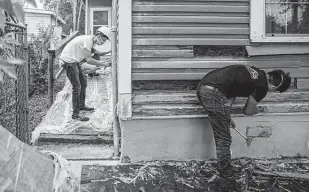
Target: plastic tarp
x,y
23,169
98,95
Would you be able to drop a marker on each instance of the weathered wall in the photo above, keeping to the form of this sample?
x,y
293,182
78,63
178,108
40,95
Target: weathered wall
x,y
185,139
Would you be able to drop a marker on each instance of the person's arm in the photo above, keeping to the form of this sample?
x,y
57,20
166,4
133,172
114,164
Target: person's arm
x,y
99,53
92,61
250,107
254,98
230,101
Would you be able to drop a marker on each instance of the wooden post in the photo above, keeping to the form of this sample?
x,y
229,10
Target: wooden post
x,y
51,60
116,129
125,59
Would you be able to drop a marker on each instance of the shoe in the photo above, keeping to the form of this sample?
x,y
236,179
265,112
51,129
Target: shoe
x,y
220,184
86,108
93,74
226,171
80,118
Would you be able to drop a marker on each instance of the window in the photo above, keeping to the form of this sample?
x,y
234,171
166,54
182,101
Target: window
x,y
279,21
99,17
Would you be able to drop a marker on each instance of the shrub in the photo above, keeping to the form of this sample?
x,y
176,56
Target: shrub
x,y
38,57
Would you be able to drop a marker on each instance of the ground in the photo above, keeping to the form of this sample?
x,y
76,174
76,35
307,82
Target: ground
x,y
277,175
38,103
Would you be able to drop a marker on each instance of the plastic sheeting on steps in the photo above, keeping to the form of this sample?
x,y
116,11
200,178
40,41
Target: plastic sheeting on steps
x,y
98,95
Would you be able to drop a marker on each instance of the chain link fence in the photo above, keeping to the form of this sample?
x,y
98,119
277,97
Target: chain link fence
x,y
14,110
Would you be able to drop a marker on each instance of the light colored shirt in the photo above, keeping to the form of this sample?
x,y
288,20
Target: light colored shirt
x,y
77,49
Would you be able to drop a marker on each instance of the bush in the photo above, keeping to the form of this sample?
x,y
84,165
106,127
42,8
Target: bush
x,y
38,57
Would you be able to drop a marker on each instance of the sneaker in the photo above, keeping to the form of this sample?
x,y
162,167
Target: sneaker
x,y
80,118
86,108
93,74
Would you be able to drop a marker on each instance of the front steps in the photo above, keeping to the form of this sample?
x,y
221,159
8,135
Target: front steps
x,y
172,125
185,103
81,145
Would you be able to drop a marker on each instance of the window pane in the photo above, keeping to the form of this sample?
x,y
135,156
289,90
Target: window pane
x,y
298,18
287,18
275,18
100,18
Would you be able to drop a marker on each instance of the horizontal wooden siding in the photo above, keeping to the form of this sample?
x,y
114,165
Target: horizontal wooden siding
x,y
190,22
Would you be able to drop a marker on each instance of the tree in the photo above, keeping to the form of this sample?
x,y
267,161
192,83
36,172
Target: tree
x,y
70,10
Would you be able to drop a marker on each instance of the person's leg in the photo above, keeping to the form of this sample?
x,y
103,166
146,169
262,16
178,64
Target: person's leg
x,y
220,123
83,82
73,75
220,118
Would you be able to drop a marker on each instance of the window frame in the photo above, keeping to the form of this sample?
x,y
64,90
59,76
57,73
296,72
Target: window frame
x,y
108,9
257,26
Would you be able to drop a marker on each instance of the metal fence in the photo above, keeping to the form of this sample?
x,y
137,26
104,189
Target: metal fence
x,y
14,109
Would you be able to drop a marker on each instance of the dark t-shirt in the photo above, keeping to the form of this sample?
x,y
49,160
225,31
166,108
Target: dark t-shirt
x,y
238,81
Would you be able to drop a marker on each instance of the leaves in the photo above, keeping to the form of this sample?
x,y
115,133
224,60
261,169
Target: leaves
x,y
16,61
18,12
13,8
2,18
1,75
5,45
8,67
32,2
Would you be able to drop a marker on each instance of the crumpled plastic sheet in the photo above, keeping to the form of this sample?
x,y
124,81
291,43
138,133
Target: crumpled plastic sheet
x,y
64,180
22,168
98,95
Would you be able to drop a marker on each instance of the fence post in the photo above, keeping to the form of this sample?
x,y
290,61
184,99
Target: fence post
x,y
27,74
51,60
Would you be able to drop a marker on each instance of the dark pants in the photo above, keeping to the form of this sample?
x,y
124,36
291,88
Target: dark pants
x,y
220,118
79,84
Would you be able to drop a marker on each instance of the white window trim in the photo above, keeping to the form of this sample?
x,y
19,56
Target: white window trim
x,y
257,26
108,9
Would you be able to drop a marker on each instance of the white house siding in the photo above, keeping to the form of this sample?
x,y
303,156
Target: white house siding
x,y
34,20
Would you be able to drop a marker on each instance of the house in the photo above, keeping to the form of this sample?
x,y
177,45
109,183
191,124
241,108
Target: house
x,y
37,18
165,47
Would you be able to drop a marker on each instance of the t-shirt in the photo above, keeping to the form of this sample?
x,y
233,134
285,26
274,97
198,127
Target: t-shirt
x,y
77,49
238,81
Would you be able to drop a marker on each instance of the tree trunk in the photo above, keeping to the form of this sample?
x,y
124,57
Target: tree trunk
x,y
74,5
79,13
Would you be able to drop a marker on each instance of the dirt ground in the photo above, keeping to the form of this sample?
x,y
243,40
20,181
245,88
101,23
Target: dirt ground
x,y
274,175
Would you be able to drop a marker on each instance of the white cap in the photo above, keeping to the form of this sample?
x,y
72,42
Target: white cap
x,y
105,31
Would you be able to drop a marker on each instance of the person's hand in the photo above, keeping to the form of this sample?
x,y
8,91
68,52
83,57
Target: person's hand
x,y
232,124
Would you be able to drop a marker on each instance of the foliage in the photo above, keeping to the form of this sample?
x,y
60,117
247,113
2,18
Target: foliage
x,y
72,11
13,8
38,56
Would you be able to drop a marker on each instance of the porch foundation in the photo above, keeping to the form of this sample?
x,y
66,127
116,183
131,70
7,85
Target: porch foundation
x,y
192,139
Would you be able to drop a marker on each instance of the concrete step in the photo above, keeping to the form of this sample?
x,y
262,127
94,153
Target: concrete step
x,y
80,151
198,110
81,135
189,97
75,138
